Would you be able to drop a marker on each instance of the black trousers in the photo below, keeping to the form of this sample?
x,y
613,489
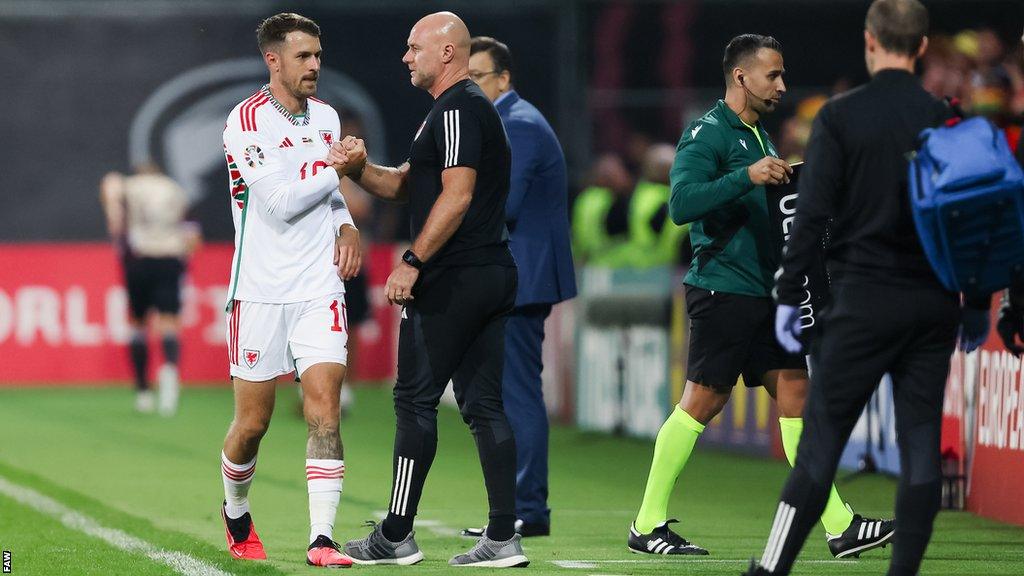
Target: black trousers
x,y
909,332
454,330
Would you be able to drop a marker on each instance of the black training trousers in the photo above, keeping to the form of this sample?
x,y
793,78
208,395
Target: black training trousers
x,y
908,331
454,330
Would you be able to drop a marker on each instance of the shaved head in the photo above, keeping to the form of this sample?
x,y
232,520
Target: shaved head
x,y
447,27
438,52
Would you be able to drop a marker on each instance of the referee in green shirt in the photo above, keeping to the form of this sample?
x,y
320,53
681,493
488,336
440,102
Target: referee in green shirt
x,y
723,161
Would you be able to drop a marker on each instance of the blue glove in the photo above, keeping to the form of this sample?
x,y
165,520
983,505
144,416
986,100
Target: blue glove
x,y
974,324
787,328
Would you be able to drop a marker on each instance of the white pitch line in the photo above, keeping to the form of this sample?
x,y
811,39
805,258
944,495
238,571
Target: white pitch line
x,y
680,559
178,561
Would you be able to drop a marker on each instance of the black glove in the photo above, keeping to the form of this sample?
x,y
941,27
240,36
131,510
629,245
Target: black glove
x,y
1010,327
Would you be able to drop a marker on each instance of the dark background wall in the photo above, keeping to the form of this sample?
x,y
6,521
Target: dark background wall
x,y
75,74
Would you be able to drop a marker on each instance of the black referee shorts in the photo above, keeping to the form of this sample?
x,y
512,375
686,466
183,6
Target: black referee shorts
x,y
454,330
733,335
153,283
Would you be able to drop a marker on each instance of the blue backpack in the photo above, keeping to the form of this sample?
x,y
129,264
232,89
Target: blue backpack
x,y
967,198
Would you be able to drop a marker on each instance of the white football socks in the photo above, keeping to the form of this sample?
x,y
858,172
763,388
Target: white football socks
x,y
237,478
323,479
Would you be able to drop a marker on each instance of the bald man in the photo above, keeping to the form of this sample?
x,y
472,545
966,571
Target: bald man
x,y
456,286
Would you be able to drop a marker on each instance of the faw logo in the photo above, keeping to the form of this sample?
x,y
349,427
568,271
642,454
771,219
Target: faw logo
x,y
251,357
327,137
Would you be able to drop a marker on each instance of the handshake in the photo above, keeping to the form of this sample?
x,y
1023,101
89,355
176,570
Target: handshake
x,y
348,157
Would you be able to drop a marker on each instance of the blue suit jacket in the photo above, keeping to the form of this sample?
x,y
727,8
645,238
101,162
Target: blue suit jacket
x,y
537,208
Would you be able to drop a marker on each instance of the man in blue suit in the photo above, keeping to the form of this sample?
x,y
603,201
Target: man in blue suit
x,y
537,217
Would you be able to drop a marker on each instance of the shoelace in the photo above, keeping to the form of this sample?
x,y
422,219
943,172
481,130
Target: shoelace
x,y
673,538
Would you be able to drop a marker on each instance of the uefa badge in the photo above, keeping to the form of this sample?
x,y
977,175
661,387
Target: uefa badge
x,y
327,137
253,156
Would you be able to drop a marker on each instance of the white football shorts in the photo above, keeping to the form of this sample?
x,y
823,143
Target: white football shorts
x,y
268,340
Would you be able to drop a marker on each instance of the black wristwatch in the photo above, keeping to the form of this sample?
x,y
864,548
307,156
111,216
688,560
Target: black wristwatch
x,y
411,259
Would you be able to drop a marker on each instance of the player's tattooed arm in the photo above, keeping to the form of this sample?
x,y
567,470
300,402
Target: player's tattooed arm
x,y
324,441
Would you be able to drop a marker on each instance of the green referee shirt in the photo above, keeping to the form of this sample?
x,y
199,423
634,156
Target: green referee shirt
x,y
733,250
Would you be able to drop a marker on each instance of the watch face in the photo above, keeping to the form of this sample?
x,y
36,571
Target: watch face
x,y
410,258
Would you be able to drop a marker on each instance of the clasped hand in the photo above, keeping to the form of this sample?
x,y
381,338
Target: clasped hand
x,y
348,156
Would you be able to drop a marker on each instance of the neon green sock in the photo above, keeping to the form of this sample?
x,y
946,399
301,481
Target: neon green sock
x,y
837,517
671,451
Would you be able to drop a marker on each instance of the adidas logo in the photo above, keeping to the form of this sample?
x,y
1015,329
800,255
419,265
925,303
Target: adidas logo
x,y
286,143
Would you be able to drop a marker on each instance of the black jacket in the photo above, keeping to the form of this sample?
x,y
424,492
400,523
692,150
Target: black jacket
x,y
856,175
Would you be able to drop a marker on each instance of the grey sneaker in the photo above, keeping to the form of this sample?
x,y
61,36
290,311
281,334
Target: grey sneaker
x,y
376,549
490,554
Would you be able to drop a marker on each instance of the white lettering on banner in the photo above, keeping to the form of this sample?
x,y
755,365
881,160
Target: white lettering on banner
x,y
118,329
646,380
6,316
76,314
953,404
190,306
1000,402
598,406
43,315
37,310
214,333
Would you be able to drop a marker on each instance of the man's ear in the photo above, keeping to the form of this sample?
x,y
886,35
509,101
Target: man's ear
x,y
272,61
923,48
869,40
737,76
447,53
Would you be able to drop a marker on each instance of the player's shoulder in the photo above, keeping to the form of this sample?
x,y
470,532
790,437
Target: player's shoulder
x,y
318,106
704,130
466,96
245,116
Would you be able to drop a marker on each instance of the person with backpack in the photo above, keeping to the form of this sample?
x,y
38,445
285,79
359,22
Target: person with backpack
x,y
889,311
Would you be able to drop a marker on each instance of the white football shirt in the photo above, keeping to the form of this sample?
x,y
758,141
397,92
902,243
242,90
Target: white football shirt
x,y
285,200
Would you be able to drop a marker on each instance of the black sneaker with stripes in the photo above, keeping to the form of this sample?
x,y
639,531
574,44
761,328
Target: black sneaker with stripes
x,y
376,549
863,534
661,540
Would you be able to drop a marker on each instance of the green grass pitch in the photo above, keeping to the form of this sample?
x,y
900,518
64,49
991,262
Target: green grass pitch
x,y
158,480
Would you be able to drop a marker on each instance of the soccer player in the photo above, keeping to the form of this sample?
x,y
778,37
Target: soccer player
x,y
145,213
286,303
723,162
456,285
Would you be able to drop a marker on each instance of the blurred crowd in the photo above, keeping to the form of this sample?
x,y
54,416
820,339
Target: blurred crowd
x,y
619,215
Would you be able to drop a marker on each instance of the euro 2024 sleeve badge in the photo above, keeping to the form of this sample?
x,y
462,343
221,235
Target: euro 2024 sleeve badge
x,y
253,156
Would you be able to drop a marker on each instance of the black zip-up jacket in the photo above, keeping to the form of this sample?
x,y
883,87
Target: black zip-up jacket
x,y
856,174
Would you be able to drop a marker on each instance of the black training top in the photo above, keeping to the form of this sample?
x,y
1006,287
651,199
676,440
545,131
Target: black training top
x,y
463,129
856,174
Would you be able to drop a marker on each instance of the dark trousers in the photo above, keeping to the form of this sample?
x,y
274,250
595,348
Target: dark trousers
x,y
454,330
523,394
908,332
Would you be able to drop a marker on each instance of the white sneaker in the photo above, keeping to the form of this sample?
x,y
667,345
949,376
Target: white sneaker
x,y
167,377
145,402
